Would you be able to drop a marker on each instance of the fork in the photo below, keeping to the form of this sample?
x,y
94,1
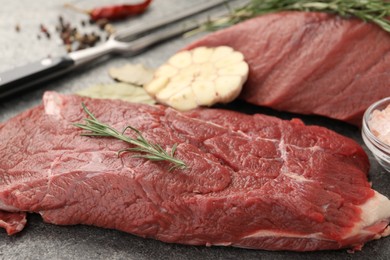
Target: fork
x,y
131,41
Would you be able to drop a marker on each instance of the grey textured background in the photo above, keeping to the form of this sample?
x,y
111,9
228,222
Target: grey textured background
x,y
44,241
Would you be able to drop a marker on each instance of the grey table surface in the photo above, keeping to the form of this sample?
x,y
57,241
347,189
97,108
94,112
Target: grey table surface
x,y
40,240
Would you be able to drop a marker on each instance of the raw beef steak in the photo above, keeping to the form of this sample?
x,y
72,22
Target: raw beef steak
x,y
311,63
252,181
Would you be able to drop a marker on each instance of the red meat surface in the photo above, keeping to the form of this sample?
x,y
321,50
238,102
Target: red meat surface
x,y
252,181
311,63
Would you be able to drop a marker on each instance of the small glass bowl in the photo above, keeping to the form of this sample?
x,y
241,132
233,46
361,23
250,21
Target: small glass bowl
x,y
380,149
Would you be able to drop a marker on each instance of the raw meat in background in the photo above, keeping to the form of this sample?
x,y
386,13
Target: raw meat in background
x,y
310,63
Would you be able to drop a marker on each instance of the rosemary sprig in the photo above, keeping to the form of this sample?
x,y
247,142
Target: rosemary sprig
x,y
153,152
374,11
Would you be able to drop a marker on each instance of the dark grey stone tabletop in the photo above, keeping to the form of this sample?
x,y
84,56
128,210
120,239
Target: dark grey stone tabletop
x,y
20,44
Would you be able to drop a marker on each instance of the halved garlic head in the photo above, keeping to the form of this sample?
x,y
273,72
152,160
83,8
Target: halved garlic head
x,y
199,77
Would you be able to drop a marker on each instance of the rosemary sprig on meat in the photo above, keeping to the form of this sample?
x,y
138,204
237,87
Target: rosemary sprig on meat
x,y
153,152
374,11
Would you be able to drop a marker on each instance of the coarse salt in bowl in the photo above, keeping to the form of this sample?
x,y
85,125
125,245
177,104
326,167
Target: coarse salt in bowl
x,y
376,131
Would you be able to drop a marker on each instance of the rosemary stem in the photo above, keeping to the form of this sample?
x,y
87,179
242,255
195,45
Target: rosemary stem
x,y
374,11
145,149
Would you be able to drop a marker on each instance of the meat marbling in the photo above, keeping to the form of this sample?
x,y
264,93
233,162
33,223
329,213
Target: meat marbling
x,y
252,181
311,63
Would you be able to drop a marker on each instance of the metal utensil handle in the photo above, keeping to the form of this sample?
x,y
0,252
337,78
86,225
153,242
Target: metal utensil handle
x,y
21,78
143,43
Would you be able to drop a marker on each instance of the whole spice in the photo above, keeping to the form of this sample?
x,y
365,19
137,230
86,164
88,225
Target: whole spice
x,y
153,152
374,11
101,23
115,12
45,31
73,39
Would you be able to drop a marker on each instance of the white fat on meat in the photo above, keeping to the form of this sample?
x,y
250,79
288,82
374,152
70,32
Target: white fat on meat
x,y
375,210
53,104
8,208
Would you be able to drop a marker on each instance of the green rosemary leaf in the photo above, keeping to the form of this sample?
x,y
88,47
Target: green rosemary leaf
x,y
132,128
150,151
123,151
149,157
94,134
88,112
159,148
135,149
374,11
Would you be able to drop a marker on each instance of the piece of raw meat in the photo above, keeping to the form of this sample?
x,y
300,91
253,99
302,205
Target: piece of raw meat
x,y
311,63
252,181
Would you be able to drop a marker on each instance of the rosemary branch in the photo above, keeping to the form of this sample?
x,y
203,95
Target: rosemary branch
x,y
374,11
153,152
